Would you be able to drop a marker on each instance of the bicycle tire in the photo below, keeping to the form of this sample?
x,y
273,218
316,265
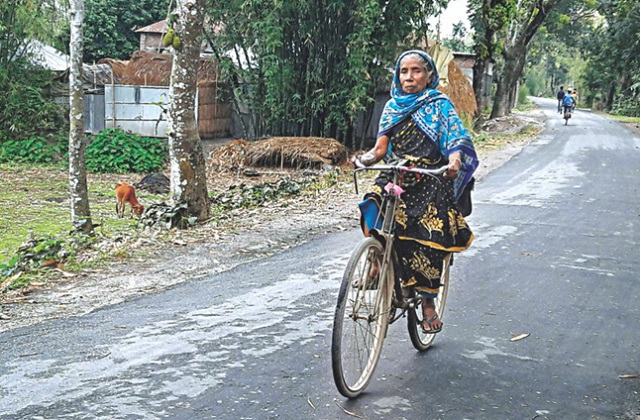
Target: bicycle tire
x,y
419,339
361,319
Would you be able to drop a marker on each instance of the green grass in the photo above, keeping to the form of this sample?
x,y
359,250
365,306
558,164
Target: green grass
x,y
37,213
525,106
35,201
625,119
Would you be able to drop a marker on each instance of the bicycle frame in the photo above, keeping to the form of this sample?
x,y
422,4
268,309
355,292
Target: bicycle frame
x,y
364,310
388,209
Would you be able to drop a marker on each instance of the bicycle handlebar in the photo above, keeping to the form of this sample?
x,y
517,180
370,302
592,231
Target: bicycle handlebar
x,y
399,168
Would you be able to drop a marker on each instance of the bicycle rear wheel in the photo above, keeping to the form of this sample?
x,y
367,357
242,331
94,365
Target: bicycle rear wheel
x,y
419,339
361,318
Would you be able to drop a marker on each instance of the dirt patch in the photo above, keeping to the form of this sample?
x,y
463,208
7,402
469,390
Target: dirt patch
x,y
504,137
633,126
163,259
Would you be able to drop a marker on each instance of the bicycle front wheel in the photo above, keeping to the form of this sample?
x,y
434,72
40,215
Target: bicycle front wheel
x,y
419,339
361,318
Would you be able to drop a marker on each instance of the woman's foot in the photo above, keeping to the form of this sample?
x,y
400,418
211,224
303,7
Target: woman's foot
x,y
372,282
431,323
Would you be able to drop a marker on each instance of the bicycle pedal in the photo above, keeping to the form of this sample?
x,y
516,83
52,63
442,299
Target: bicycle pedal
x,y
415,301
405,304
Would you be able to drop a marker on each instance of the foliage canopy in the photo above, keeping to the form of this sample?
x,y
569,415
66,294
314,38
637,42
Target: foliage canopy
x,y
110,25
309,68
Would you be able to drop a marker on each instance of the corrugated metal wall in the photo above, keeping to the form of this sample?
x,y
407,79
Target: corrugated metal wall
x,y
143,110
93,112
139,109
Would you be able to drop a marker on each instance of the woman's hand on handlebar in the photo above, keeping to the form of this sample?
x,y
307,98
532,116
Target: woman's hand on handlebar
x,y
454,166
355,161
374,155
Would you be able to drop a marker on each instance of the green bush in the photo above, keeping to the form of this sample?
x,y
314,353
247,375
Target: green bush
x,y
35,149
24,109
38,253
116,151
628,106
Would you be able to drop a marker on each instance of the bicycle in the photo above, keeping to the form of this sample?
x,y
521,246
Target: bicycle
x,y
568,110
368,303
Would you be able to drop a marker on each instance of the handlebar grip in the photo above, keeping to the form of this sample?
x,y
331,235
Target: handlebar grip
x,y
358,164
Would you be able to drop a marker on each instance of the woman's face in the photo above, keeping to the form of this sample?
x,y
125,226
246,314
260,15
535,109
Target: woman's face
x,y
413,77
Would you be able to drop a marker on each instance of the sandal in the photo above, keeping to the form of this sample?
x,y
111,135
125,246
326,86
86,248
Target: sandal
x,y
430,322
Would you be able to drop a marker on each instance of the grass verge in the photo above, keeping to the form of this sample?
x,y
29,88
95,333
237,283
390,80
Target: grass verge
x,y
35,226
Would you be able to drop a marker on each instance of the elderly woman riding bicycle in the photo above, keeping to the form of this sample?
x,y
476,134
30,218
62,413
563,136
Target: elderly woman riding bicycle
x,y
420,126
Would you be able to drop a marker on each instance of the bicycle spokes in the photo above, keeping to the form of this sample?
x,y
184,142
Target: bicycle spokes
x,y
361,318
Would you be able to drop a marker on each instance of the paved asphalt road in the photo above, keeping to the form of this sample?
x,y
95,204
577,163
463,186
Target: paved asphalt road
x,y
555,256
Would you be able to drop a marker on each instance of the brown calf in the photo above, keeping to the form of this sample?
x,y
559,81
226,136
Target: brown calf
x,y
125,193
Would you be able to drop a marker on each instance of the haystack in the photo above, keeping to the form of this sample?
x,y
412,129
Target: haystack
x,y
461,92
296,152
229,157
454,83
290,152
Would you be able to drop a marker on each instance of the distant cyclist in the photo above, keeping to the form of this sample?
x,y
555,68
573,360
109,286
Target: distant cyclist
x,y
568,102
560,97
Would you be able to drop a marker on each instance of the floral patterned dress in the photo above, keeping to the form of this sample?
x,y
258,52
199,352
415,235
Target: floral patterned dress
x,y
428,222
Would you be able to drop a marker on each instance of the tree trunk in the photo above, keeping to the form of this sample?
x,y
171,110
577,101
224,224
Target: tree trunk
x,y
188,171
368,116
507,85
80,211
501,98
513,98
611,96
479,69
515,53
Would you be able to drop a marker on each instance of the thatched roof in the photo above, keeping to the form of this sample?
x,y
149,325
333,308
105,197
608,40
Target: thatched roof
x,y
117,66
153,69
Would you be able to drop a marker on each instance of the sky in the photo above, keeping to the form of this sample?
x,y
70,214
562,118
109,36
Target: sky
x,y
454,13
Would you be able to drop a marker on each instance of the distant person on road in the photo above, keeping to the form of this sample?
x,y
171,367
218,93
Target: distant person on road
x,y
420,125
560,97
574,93
568,102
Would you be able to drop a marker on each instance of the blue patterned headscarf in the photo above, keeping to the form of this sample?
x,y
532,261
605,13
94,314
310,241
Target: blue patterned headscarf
x,y
435,115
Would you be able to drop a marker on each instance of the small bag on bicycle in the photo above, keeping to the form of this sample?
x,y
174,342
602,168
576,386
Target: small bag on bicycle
x,y
464,202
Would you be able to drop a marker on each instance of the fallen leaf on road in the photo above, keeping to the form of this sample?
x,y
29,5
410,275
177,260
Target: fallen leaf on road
x,y
351,413
519,337
310,403
628,376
